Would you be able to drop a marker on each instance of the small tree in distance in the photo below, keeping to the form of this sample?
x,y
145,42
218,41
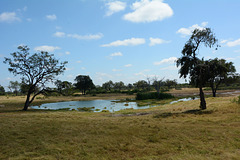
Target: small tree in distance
x,y
36,70
218,72
84,83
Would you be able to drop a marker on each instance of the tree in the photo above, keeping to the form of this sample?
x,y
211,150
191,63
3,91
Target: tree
x,y
158,84
108,85
141,84
218,71
14,86
192,66
2,90
119,85
64,87
84,83
36,70
170,83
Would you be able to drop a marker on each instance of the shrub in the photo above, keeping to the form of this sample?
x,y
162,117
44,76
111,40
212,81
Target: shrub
x,y
236,100
153,95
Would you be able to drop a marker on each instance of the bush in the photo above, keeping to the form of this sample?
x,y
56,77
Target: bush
x,y
236,100
153,95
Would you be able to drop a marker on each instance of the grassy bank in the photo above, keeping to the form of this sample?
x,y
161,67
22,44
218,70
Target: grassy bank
x,y
177,131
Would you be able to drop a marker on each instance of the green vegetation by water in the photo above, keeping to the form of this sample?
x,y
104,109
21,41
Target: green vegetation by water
x,y
153,95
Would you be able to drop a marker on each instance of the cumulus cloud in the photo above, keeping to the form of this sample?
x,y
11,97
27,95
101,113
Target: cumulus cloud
x,y
233,43
9,17
51,17
59,34
116,54
128,65
46,48
114,7
149,11
188,31
155,41
79,37
126,42
170,60
67,52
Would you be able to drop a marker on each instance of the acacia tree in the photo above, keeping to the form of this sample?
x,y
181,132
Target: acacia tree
x,y
191,65
36,70
218,72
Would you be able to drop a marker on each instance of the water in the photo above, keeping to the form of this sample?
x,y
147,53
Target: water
x,y
98,105
183,100
94,105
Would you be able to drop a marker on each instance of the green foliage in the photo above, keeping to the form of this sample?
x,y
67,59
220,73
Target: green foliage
x,y
64,87
84,83
236,100
2,90
153,95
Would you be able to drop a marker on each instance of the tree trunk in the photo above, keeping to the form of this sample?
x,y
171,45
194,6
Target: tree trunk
x,y
202,99
214,93
27,102
213,90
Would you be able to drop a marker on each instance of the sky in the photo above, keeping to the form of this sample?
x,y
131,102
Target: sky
x,y
117,40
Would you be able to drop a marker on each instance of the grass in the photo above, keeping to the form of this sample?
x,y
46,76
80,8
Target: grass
x,y
175,132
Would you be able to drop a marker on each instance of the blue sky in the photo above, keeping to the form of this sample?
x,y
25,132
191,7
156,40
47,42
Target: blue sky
x,y
117,40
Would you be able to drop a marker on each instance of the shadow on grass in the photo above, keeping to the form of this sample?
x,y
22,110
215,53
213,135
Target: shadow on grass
x,y
195,111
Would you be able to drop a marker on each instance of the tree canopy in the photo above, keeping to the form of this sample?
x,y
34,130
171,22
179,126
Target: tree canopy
x,y
36,70
191,65
84,83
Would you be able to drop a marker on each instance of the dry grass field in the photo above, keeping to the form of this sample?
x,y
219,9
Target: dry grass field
x,y
176,131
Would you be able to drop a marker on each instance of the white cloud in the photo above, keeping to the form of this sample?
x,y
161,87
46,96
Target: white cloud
x,y
46,48
170,60
9,17
67,52
86,37
155,41
233,43
79,37
116,54
128,65
59,34
51,17
126,42
114,7
79,61
188,31
83,68
149,11
223,41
